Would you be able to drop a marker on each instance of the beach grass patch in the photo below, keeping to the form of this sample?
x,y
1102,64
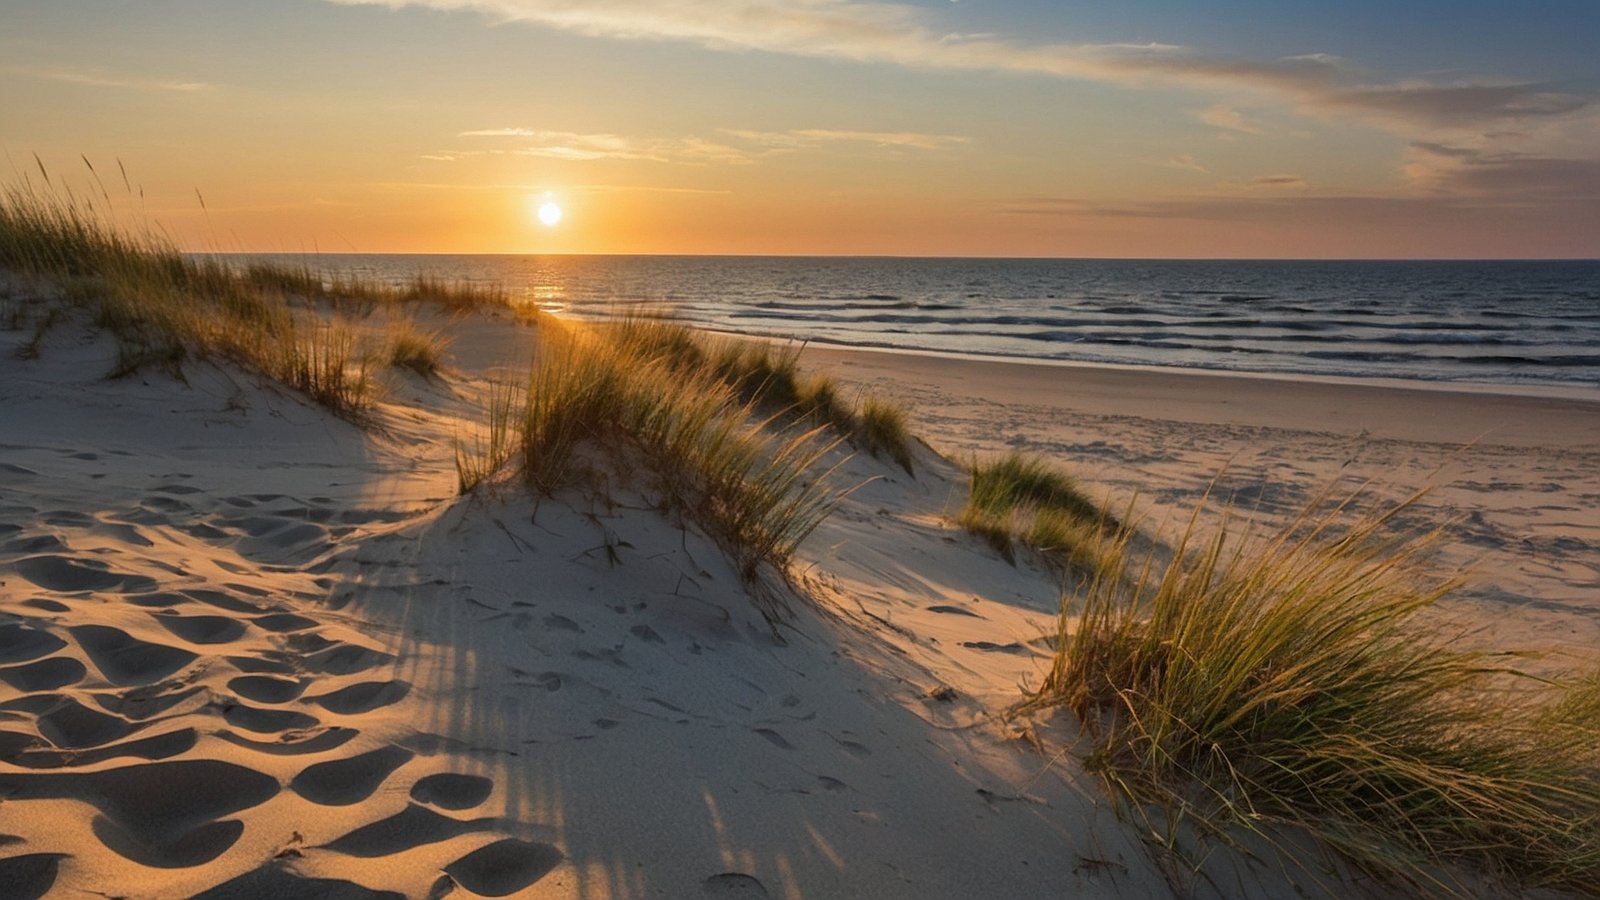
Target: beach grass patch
x,y
1016,498
1285,684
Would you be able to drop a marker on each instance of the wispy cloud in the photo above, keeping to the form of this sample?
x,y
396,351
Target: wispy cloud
x,y
90,78
1493,172
875,31
691,150
585,147
1187,163
813,137
1277,181
1227,118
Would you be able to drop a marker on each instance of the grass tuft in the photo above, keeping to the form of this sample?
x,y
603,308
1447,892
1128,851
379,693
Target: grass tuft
x,y
165,308
754,489
1243,686
1017,498
768,377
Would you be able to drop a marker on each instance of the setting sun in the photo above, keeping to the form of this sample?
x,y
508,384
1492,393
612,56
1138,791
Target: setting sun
x,y
549,213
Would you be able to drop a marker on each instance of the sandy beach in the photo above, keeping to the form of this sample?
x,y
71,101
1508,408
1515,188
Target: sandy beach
x,y
249,649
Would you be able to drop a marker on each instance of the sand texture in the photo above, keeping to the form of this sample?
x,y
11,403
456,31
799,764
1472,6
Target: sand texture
x,y
248,649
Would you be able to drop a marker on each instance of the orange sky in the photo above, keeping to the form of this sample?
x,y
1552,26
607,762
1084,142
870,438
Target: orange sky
x,y
822,126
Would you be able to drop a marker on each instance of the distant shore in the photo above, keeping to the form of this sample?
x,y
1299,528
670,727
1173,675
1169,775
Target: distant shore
x,y
1515,478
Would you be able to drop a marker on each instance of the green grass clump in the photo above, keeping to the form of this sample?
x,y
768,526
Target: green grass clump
x,y
165,308
1286,683
754,488
1017,498
768,377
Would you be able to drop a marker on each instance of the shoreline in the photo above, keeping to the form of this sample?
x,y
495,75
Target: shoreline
x,y
1307,403
1512,482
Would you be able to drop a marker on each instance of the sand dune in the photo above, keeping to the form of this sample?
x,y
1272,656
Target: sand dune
x,y
251,650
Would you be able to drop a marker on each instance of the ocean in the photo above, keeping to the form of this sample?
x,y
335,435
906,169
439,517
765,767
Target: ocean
x,y
1520,323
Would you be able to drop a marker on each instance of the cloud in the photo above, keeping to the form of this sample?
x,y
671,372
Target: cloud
x,y
1187,163
1480,172
812,137
900,33
1229,119
690,150
101,79
1277,181
586,147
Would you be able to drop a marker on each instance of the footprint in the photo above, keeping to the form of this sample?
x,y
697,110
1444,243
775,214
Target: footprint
x,y
203,629
954,611
832,784
124,659
266,721
992,647
223,600
733,884
70,576
556,622
449,790
161,746
195,847
647,634
294,743
342,782
775,738
265,688
141,703
19,643
504,867
44,675
411,827
859,751
158,809
346,659
364,697
272,880
31,875
257,665
284,622
70,725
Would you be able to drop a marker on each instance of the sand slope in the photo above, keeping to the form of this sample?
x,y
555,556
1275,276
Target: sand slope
x,y
248,650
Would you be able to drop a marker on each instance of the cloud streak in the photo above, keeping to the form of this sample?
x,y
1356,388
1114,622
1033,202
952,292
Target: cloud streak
x,y
101,79
898,33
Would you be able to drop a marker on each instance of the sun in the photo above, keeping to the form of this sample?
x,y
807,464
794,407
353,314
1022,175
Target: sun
x,y
549,213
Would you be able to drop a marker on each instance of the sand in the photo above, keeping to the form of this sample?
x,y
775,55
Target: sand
x,y
248,649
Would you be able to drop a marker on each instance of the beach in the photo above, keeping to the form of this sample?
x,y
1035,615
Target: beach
x,y
252,649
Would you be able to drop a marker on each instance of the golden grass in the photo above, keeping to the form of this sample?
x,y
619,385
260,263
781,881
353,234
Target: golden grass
x,y
165,308
1286,683
768,377
595,397
1018,499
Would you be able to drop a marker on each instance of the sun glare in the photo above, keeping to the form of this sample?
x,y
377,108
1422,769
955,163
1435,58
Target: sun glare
x,y
549,213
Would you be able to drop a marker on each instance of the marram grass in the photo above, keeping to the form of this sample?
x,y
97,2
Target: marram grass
x,y
768,377
1018,499
165,308
1287,683
594,398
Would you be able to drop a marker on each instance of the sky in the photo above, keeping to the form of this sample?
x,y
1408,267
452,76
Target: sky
x,y
1037,128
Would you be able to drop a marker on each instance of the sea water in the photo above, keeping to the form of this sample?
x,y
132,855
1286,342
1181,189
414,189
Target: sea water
x,y
1497,322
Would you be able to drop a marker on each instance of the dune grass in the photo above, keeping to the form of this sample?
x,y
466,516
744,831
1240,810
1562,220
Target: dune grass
x,y
165,308
1018,499
768,377
598,406
1285,684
